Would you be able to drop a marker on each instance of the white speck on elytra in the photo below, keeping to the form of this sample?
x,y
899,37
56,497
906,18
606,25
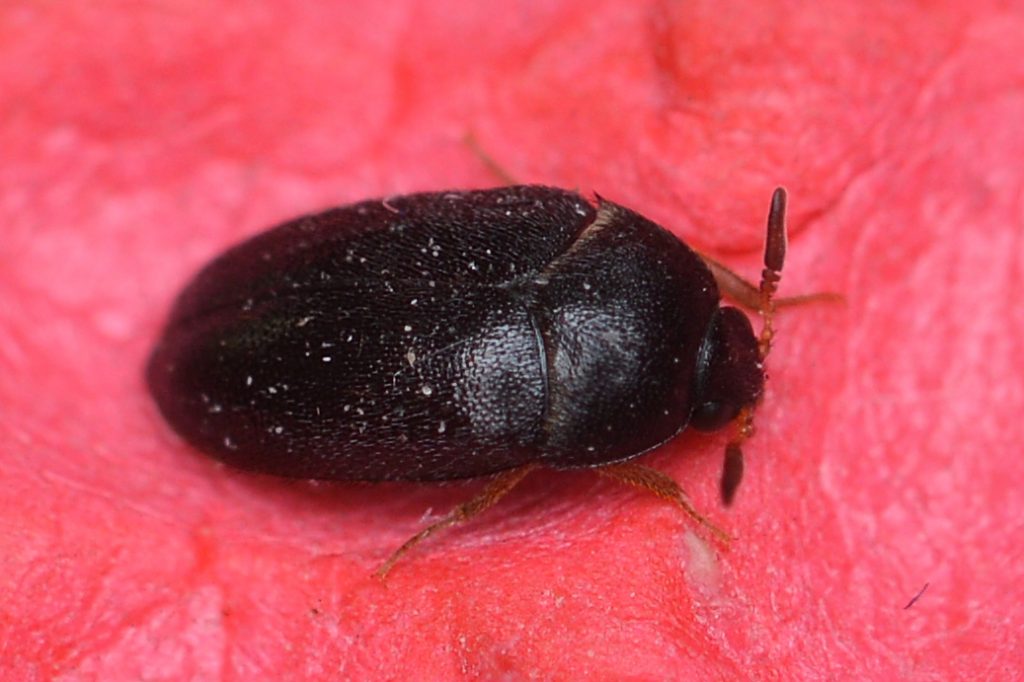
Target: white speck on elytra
x,y
407,328
229,444
326,358
427,389
410,357
248,381
441,427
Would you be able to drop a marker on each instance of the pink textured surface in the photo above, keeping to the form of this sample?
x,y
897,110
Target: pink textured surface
x,y
136,143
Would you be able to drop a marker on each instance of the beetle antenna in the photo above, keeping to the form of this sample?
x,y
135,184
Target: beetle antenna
x,y
774,258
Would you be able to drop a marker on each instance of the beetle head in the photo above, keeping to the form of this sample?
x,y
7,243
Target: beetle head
x,y
729,371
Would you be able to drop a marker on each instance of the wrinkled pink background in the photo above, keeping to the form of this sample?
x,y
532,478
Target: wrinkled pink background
x,y
136,142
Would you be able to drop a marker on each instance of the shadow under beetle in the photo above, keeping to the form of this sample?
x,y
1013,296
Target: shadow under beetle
x,y
453,335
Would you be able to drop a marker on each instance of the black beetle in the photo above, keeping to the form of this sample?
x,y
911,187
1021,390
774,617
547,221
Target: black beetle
x,y
452,335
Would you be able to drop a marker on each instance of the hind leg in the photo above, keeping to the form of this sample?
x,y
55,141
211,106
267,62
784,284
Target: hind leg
x,y
499,486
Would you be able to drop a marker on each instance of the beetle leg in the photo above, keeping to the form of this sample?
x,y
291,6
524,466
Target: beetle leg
x,y
748,294
499,486
493,166
654,481
733,285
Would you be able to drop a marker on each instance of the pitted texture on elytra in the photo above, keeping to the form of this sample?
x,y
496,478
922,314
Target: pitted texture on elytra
x,y
440,335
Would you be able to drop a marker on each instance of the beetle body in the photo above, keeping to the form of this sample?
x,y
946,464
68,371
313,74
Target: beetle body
x,y
452,335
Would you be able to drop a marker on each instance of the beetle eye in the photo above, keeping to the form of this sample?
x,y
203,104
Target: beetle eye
x,y
713,415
